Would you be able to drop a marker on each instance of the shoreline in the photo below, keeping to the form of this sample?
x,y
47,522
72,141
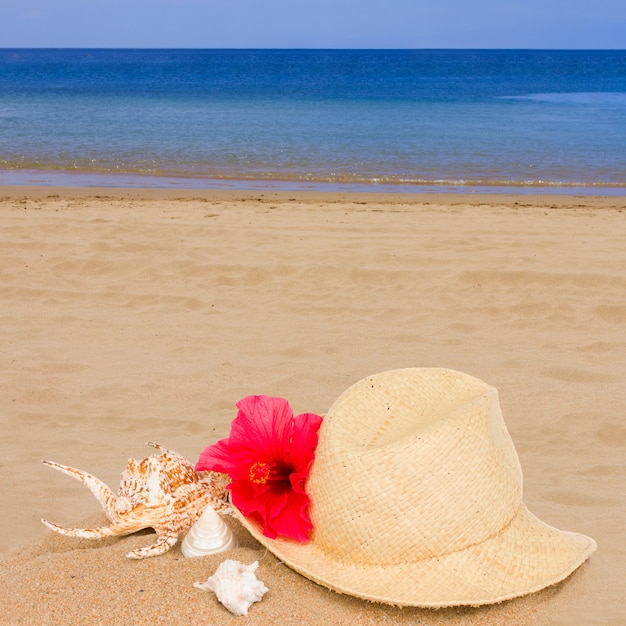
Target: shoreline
x,y
134,315
80,179
307,196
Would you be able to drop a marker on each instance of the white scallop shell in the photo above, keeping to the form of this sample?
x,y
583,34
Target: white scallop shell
x,y
235,585
209,535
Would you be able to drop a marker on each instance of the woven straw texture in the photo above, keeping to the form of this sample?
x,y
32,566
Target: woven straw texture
x,y
416,499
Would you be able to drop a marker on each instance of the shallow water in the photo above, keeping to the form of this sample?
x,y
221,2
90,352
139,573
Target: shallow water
x,y
416,120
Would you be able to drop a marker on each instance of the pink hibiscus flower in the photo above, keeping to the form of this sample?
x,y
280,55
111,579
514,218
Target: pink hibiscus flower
x,y
268,456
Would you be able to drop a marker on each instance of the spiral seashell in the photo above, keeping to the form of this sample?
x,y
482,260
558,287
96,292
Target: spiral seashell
x,y
163,492
236,586
209,535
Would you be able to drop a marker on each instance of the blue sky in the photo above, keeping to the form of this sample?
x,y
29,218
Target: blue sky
x,y
314,23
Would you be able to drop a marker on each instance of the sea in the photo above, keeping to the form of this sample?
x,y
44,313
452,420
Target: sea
x,y
527,121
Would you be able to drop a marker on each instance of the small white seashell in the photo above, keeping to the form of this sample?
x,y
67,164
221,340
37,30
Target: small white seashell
x,y
235,585
210,534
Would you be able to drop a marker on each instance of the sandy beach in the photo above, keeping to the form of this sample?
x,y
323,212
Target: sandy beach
x,y
131,316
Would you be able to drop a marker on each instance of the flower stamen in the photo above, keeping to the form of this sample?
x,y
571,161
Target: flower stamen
x,y
260,472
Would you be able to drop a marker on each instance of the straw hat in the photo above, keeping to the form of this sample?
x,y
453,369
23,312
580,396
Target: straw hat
x,y
416,499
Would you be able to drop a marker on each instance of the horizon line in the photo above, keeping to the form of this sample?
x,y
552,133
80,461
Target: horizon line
x,y
312,48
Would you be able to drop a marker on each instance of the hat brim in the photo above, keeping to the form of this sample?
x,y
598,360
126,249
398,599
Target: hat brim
x,y
524,557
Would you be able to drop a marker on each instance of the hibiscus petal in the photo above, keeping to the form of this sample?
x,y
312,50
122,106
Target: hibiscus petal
x,y
264,424
243,495
304,441
262,427
298,480
221,457
263,505
216,458
294,521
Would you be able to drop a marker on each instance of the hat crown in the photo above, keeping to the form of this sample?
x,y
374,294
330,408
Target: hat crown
x,y
412,464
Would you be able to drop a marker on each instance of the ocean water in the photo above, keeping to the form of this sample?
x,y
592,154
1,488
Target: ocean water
x,y
328,119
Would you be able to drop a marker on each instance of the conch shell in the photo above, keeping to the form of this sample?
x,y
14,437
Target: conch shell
x,y
209,535
235,585
163,492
